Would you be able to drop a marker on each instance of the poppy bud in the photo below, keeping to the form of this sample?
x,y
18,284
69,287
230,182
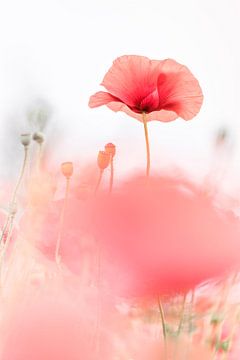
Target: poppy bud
x,y
110,149
103,159
25,139
67,169
38,137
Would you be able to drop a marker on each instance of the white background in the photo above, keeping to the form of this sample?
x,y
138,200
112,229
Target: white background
x,y
60,50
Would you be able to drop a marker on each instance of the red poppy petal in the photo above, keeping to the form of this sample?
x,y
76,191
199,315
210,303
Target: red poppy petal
x,y
179,90
150,102
132,78
101,98
162,115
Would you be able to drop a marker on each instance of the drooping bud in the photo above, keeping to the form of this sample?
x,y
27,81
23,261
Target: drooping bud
x,y
38,137
67,169
25,139
103,160
110,149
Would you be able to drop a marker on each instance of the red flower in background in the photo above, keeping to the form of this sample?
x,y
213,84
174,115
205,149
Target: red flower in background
x,y
164,90
164,238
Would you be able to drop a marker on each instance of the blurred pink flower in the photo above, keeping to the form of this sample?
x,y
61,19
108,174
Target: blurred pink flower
x,y
164,238
163,89
52,324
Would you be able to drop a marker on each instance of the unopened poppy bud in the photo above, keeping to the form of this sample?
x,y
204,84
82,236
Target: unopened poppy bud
x,y
67,169
38,137
103,159
25,139
110,149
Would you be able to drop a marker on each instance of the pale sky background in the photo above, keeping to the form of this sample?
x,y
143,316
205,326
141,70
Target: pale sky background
x,y
59,51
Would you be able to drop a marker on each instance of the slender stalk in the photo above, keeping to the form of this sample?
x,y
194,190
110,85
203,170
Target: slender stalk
x,y
147,144
99,181
180,326
14,196
164,329
57,257
111,175
39,156
6,244
4,231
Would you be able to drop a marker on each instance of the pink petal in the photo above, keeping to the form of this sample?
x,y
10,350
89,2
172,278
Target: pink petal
x,y
179,90
132,78
101,98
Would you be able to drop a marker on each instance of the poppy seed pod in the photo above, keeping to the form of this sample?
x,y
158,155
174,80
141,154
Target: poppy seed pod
x,y
67,169
38,137
103,159
25,139
110,149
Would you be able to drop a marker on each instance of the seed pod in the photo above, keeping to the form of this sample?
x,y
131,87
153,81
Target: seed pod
x,y
38,137
110,149
25,139
103,160
67,169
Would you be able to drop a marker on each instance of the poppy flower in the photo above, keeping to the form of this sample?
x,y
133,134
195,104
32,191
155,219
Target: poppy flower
x,y
162,89
150,90
164,238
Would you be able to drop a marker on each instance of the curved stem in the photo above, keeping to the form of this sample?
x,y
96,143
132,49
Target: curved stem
x,y
147,144
99,181
14,196
111,175
4,231
57,257
162,318
6,244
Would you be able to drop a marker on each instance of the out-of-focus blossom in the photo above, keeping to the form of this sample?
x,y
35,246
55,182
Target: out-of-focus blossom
x,y
164,237
162,89
38,114
52,324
